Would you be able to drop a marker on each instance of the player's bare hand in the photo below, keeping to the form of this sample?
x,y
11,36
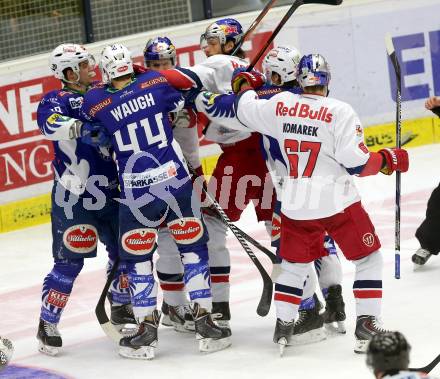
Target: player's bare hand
x,y
432,102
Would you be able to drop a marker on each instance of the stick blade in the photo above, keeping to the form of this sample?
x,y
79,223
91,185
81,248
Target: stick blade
x,y
393,57
326,2
266,298
389,44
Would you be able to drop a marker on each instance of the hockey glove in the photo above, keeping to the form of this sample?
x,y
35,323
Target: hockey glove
x,y
138,69
394,160
95,135
253,79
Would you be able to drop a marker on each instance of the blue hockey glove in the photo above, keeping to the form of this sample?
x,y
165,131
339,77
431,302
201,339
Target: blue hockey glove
x,y
95,134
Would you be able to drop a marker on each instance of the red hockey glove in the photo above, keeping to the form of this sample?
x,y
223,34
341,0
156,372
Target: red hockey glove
x,y
253,79
138,69
395,160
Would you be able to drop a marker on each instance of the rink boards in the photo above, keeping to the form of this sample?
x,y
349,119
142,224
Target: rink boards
x,y
350,36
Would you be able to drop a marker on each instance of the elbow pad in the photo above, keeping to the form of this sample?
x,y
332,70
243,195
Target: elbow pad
x,y
59,127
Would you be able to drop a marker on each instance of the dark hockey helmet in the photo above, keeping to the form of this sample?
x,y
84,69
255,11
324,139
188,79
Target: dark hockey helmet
x,y
160,48
388,351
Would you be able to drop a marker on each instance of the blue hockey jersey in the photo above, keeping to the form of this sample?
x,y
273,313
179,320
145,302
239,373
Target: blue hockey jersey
x,y
136,117
75,163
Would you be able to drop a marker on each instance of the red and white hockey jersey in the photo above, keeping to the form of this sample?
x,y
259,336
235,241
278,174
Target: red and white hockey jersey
x,y
321,139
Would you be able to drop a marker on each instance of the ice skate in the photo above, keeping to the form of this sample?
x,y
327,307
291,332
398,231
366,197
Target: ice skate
x,y
334,315
179,317
143,343
309,327
420,257
283,334
211,337
366,328
221,314
49,338
122,318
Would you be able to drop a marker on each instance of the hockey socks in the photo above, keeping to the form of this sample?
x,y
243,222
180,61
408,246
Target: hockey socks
x,y
57,287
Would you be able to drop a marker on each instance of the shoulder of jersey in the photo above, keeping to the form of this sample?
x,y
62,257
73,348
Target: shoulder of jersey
x,y
219,60
339,104
150,78
268,91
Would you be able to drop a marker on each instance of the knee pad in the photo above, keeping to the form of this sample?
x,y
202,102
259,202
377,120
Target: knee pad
x,y
197,254
374,262
68,268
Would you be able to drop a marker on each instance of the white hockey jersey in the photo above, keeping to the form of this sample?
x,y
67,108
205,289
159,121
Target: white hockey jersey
x,y
408,375
215,73
321,139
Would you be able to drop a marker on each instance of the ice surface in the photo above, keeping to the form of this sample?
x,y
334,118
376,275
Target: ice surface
x,y
411,304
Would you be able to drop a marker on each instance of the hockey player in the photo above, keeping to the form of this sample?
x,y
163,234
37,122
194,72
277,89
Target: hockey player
x,y
160,54
280,68
233,164
155,188
388,357
82,172
427,232
322,139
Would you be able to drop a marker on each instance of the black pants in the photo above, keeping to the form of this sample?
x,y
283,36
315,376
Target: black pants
x,y
428,232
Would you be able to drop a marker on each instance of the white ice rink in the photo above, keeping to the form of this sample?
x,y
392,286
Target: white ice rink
x,y
410,305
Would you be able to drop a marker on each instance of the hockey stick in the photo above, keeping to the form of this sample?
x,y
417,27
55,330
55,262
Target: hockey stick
x,y
263,13
266,296
393,57
428,368
296,4
100,313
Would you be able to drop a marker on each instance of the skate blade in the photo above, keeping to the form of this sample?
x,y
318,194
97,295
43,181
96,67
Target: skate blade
x,y
333,329
312,336
182,328
126,330
417,267
282,343
144,352
361,346
48,350
210,345
166,321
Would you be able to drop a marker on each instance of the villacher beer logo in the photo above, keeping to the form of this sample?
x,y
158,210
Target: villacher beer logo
x,y
81,239
186,231
139,241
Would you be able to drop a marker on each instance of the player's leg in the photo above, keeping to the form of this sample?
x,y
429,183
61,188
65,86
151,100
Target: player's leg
x,y
190,235
74,237
298,249
137,244
354,233
329,271
427,233
119,295
221,185
169,269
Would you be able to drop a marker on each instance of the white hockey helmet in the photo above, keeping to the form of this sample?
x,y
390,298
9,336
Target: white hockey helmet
x,y
115,62
282,60
69,55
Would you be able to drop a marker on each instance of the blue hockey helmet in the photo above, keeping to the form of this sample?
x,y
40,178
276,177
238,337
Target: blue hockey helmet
x,y
225,29
313,70
160,48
